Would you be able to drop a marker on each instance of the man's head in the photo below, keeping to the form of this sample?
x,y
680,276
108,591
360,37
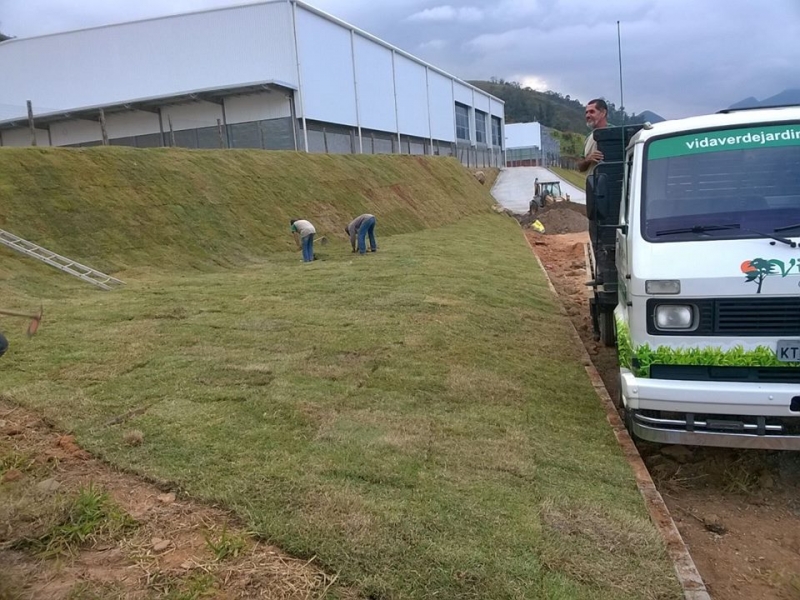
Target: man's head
x,y
597,114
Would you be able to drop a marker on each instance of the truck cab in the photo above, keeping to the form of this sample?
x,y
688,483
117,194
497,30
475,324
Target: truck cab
x,y
695,233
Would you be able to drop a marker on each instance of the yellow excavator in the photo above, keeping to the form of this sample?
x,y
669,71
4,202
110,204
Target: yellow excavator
x,y
544,193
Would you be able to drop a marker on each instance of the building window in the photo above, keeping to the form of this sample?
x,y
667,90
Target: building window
x,y
462,122
480,127
496,131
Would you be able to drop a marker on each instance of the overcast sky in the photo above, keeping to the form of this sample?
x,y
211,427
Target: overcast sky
x,y
680,57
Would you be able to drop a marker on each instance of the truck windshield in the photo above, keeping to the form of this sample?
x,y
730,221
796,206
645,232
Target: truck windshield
x,y
748,176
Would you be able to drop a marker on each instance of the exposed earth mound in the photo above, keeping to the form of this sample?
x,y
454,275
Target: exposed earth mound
x,y
557,218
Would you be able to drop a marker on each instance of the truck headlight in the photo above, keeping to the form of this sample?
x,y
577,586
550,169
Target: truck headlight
x,y
674,316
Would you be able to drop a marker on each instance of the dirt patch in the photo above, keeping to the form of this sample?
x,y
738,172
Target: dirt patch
x,y
738,511
564,258
175,547
557,218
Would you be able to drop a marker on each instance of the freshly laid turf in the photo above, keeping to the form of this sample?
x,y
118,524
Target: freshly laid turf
x,y
116,208
418,419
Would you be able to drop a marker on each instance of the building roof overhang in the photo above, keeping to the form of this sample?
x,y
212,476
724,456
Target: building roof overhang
x,y
153,105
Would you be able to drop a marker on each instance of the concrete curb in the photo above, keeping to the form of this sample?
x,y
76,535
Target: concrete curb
x,y
685,569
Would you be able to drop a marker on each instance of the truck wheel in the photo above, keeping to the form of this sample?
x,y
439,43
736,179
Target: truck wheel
x,y
608,334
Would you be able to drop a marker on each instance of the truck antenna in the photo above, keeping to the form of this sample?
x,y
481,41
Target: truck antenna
x,y
621,96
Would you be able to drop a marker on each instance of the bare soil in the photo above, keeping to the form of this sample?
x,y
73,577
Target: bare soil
x,y
738,511
557,218
177,548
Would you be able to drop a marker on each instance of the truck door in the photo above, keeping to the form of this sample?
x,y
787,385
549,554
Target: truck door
x,y
623,235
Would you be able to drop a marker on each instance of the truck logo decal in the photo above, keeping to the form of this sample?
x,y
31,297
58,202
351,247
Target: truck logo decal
x,y
742,138
758,269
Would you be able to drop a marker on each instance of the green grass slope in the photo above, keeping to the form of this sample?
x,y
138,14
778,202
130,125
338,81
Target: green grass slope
x,y
115,208
418,420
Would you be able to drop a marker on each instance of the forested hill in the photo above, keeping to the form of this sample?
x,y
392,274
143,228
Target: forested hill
x,y
548,108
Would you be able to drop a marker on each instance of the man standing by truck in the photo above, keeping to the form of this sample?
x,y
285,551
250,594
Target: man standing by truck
x,y
596,118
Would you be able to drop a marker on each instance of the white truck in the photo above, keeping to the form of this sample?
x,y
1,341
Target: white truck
x,y
694,228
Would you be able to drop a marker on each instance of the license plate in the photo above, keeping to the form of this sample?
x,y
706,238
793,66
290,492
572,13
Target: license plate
x,y
788,350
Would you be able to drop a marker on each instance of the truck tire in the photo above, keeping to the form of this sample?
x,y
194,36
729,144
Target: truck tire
x,y
608,333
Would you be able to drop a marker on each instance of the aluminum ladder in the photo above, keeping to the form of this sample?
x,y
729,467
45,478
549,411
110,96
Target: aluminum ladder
x,y
62,263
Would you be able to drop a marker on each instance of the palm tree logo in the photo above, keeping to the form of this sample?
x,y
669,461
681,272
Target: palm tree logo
x,y
757,269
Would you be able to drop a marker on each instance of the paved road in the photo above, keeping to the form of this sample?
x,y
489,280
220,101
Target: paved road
x,y
514,187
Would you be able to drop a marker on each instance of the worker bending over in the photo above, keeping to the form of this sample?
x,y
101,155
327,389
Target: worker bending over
x,y
362,226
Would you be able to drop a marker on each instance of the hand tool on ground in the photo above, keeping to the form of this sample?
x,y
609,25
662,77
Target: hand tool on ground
x,y
36,319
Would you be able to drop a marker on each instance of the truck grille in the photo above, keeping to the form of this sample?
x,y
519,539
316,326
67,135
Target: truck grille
x,y
757,316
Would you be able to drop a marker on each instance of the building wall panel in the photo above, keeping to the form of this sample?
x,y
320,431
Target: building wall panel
x,y
326,68
412,97
148,59
191,116
375,85
132,123
462,93
443,120
497,108
118,125
257,107
523,135
75,132
482,102
22,137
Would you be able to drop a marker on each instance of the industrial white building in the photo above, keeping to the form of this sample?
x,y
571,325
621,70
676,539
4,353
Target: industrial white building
x,y
278,74
530,145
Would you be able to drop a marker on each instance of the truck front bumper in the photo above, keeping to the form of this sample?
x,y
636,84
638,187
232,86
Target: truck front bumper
x,y
713,413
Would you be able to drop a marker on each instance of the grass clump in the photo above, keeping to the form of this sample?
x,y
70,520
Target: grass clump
x,y
89,516
11,460
226,546
193,587
86,590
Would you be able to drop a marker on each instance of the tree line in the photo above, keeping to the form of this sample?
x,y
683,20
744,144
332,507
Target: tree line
x,y
551,109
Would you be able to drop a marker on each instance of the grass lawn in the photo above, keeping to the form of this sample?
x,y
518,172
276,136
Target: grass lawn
x,y
418,419
576,178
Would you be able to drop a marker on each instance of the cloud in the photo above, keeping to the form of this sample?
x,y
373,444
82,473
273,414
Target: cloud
x,y
445,13
433,45
470,14
530,81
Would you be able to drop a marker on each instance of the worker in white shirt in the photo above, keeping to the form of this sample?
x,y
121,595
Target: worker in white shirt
x,y
303,232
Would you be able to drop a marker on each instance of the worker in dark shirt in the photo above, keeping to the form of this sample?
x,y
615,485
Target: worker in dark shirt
x,y
362,226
